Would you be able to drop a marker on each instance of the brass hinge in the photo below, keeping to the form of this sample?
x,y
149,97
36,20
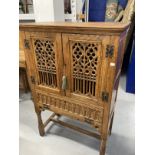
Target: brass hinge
x,y
26,44
33,80
109,51
105,96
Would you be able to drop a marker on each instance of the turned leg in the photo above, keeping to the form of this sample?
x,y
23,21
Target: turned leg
x,y
111,124
103,147
40,124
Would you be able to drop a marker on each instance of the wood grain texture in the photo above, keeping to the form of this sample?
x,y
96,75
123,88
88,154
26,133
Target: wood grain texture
x,y
78,52
23,81
89,28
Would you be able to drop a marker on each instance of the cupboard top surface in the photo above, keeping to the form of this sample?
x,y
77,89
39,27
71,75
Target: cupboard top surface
x,y
62,26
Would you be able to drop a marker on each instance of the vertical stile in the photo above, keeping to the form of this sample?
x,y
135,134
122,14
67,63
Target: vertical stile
x,y
86,87
93,88
43,77
55,81
75,84
39,78
52,79
49,76
47,79
78,84
83,86
89,87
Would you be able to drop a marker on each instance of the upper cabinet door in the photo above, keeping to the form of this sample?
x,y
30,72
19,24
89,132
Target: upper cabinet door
x,y
85,66
44,51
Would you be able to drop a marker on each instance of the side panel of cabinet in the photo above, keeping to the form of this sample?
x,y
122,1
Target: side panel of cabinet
x,y
115,72
111,74
85,66
44,57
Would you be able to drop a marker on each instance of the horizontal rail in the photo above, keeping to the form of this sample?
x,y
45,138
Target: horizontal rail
x,y
89,133
49,119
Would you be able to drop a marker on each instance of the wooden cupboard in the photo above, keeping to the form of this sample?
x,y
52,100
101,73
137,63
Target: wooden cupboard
x,y
73,70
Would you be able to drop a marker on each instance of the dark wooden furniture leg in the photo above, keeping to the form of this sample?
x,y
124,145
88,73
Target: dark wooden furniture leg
x,y
40,123
111,124
23,80
103,147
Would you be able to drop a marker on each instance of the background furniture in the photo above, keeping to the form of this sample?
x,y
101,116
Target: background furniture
x,y
130,83
23,82
124,16
97,10
74,69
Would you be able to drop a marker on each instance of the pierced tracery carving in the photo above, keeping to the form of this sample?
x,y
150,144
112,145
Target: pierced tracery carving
x,y
76,109
45,57
84,55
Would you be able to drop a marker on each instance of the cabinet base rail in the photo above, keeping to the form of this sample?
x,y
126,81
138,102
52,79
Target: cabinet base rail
x,y
57,121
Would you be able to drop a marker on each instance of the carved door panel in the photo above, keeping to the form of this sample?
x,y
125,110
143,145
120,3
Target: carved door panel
x,y
85,60
45,50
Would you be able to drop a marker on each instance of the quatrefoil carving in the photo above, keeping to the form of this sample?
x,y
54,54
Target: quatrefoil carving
x,y
45,55
85,59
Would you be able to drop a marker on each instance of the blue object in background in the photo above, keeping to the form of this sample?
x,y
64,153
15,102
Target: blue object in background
x,y
130,83
123,3
97,10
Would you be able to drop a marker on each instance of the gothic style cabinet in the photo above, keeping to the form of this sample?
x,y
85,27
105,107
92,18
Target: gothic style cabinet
x,y
74,70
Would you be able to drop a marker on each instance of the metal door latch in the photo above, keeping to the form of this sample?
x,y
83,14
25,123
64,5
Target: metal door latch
x,y
109,51
33,80
64,82
26,43
105,96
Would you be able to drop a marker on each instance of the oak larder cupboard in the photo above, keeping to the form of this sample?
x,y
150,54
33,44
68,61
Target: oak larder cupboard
x,y
74,70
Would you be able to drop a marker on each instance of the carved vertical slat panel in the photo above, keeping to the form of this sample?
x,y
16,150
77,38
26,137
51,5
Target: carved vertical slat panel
x,y
92,115
45,59
84,69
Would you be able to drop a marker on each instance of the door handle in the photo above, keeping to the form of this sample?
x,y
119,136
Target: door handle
x,y
64,82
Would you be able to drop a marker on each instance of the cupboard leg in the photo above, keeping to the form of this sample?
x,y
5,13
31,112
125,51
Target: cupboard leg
x,y
111,124
103,147
40,124
25,82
